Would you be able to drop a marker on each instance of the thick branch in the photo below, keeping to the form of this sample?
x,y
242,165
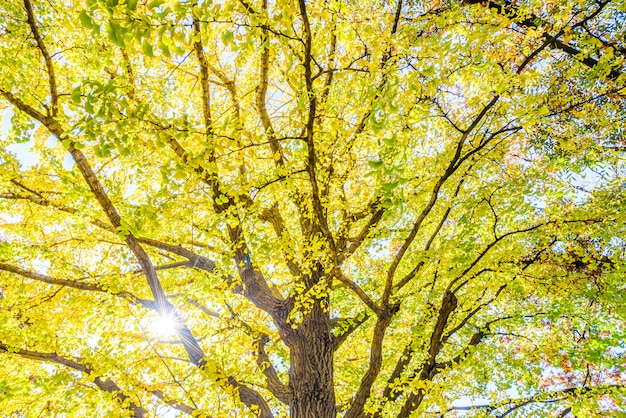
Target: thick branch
x,y
358,291
377,215
353,325
261,92
275,218
204,83
252,399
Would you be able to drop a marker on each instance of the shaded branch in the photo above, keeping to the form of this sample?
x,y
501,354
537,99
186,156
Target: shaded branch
x,y
54,94
164,306
77,364
309,127
91,287
546,397
274,384
353,325
339,275
532,21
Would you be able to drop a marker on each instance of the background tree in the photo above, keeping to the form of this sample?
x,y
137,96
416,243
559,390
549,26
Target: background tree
x,y
355,208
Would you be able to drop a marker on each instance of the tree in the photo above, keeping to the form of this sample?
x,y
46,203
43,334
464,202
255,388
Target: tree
x,y
354,208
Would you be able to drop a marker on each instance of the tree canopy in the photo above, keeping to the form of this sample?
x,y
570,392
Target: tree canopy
x,y
312,208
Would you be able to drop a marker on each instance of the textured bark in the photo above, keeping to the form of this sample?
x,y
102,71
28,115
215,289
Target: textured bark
x,y
311,374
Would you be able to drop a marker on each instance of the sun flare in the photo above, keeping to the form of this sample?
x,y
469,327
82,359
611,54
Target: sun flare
x,y
164,326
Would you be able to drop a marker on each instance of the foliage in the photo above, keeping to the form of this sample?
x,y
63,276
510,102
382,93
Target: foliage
x,y
355,208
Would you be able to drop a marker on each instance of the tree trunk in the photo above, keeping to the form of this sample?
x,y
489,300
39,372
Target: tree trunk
x,y
311,374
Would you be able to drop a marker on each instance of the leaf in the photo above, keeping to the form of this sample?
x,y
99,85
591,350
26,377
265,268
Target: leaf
x,y
375,164
390,141
85,19
428,72
227,37
76,95
155,3
114,32
164,49
147,49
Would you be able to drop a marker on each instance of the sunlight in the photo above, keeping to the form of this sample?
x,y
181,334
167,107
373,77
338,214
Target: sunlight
x,y
164,326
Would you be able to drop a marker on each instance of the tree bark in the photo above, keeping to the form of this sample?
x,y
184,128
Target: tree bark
x,y
311,374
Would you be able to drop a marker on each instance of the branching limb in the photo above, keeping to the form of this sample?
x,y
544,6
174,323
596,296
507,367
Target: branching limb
x,y
507,8
547,397
205,84
406,279
492,244
405,358
54,94
310,125
251,398
203,308
430,368
353,325
377,213
261,91
194,260
375,363
77,364
164,306
255,286
358,291
275,218
274,384
90,287
434,196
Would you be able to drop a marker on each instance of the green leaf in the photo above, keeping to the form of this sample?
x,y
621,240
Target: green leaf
x,y
227,37
164,49
375,164
76,95
155,3
147,49
85,20
114,32
390,141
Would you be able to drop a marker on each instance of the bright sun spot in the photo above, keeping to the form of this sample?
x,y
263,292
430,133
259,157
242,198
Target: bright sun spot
x,y
164,326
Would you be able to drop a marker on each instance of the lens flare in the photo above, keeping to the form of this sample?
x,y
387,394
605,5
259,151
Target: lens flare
x,y
164,326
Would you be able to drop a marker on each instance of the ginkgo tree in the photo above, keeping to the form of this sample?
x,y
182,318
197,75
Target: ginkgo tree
x,y
312,208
